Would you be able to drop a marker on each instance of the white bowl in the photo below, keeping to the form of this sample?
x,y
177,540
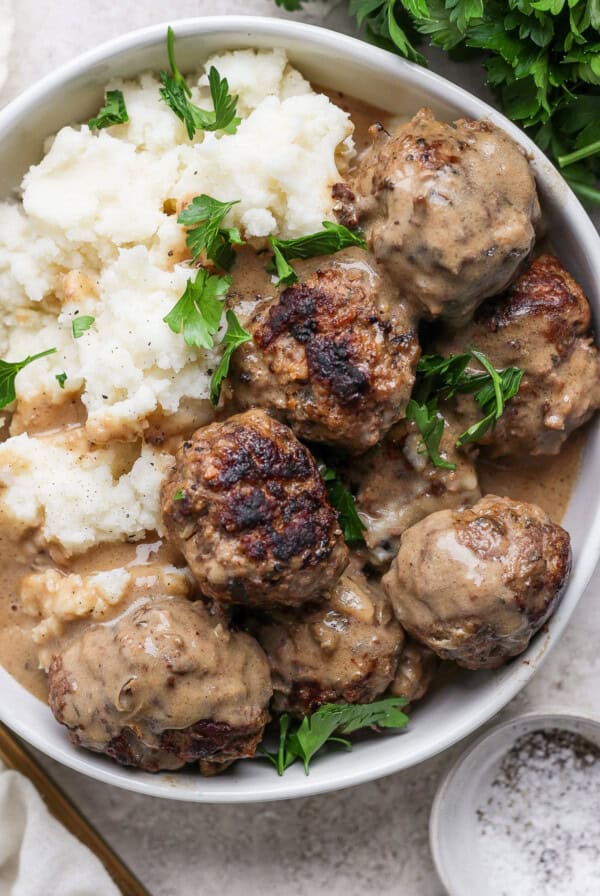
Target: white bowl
x,y
72,94
453,822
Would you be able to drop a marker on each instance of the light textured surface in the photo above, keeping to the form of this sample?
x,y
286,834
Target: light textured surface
x,y
372,838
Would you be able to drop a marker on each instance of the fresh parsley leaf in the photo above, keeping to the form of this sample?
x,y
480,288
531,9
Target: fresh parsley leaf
x,y
333,238
61,379
342,500
430,424
491,397
542,58
198,312
176,93
234,337
439,379
8,374
302,740
81,324
203,217
114,111
178,496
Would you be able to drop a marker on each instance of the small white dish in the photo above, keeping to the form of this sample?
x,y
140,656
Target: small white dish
x,y
453,822
332,60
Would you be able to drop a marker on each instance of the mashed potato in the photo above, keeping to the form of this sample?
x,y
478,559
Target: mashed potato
x,y
95,235
96,205
76,497
56,599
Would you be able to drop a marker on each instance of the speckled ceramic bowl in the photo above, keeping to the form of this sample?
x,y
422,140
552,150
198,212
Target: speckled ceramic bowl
x,y
73,93
453,821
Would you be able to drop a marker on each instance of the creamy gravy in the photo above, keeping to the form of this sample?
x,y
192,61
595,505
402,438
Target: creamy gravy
x,y
544,481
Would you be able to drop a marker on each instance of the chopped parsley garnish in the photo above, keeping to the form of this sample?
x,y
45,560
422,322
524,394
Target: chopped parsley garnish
x,y
81,324
198,312
178,496
8,374
176,93
114,111
342,500
203,217
333,238
430,424
61,379
234,337
302,740
439,379
198,315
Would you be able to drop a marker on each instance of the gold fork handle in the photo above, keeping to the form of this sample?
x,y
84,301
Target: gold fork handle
x,y
17,757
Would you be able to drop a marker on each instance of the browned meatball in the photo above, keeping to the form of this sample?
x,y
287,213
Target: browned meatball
x,y
399,486
475,585
335,354
163,685
449,209
247,507
416,670
345,649
542,324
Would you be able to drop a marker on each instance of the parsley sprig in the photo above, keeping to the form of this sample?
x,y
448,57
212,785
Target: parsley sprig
x,y
342,500
542,59
114,111
234,337
203,218
176,93
8,375
333,238
439,379
198,312
302,740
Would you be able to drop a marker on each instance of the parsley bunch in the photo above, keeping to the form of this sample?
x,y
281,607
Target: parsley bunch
x,y
542,59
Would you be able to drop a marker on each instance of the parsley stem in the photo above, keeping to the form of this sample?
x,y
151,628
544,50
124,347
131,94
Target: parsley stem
x,y
49,351
584,191
571,157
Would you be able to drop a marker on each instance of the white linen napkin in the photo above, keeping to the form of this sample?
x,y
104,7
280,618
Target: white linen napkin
x,y
38,856
6,33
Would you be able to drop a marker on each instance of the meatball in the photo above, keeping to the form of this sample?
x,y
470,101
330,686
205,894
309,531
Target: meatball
x,y
344,650
475,585
164,685
449,209
247,507
416,670
541,324
398,486
335,354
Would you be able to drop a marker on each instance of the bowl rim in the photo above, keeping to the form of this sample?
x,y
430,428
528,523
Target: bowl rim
x,y
517,725
409,75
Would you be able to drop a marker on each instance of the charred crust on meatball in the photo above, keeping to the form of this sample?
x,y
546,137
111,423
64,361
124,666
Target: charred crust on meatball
x,y
218,742
544,290
335,354
254,522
